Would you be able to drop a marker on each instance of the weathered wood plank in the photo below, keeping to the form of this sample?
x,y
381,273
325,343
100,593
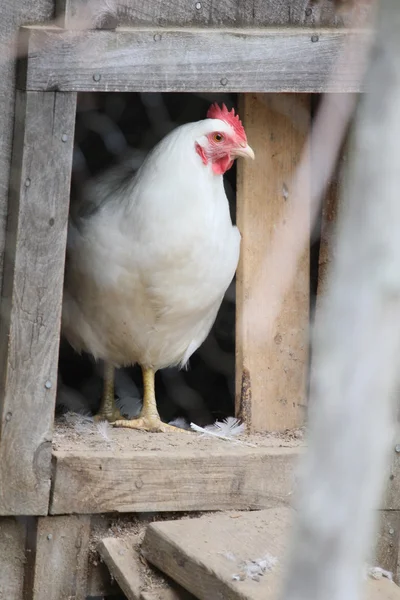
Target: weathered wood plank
x,y
12,558
205,554
167,480
31,299
13,15
188,60
392,496
122,561
122,558
388,540
90,14
61,559
270,384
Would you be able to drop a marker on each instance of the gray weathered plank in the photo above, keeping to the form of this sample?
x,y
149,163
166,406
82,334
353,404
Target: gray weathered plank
x,y
61,558
122,558
88,14
388,541
13,15
12,558
31,299
190,60
123,562
205,554
170,480
271,372
392,496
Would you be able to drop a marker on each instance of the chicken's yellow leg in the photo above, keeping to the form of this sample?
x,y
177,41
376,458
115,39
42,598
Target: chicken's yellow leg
x,y
108,410
149,419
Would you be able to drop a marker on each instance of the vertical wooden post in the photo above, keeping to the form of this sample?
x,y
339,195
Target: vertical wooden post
x,y
61,559
12,558
271,376
13,15
31,298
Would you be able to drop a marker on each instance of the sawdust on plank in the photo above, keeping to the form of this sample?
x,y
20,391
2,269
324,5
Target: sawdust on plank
x,y
75,436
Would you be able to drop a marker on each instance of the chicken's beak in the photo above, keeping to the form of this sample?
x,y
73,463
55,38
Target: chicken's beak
x,y
244,151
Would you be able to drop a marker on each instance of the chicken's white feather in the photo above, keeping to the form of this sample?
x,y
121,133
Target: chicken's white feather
x,y
229,427
149,262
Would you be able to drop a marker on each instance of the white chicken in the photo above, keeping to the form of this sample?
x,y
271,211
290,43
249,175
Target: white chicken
x,y
150,256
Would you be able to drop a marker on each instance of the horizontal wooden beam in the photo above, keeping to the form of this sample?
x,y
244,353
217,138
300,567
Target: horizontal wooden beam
x,y
188,60
144,472
101,14
167,479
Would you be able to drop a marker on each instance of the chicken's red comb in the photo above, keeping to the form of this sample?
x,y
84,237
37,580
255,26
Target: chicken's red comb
x,y
215,112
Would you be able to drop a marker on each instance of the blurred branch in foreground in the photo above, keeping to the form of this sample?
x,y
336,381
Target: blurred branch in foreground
x,y
274,278
357,342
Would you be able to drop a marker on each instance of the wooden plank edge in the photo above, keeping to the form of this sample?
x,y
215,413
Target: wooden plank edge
x,y
50,54
254,478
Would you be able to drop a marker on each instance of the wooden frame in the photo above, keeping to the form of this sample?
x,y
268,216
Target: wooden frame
x,y
185,60
239,60
32,293
128,60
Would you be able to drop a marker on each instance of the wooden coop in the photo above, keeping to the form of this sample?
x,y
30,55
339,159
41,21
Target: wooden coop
x,y
70,509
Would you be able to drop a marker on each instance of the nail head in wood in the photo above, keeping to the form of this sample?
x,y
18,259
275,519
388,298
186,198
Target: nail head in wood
x,y
96,77
48,385
314,38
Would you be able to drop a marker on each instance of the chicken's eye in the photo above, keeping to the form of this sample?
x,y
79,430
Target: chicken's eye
x,y
218,137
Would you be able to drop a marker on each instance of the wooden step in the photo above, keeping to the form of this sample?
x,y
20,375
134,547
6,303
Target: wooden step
x,y
232,555
143,472
123,561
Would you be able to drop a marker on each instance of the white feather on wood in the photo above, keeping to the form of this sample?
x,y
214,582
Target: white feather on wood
x,y
226,432
229,427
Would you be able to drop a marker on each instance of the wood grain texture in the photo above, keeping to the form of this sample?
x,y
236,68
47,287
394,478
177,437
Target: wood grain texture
x,y
392,496
233,477
271,377
204,554
13,15
61,559
122,558
89,14
123,562
387,544
187,60
12,558
31,299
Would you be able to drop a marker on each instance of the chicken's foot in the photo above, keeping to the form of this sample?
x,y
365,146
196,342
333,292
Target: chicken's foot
x,y
108,409
149,419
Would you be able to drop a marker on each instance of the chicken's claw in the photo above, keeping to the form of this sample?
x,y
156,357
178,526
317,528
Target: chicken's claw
x,y
149,424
